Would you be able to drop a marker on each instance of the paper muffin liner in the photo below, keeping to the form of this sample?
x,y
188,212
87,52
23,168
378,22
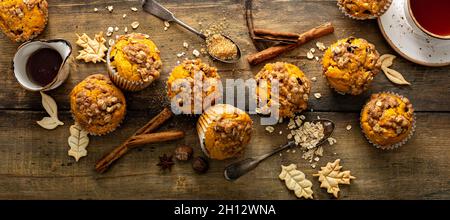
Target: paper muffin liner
x,y
211,115
381,12
396,145
120,81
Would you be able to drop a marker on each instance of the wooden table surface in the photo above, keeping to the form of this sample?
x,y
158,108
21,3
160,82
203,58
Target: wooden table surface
x,y
34,163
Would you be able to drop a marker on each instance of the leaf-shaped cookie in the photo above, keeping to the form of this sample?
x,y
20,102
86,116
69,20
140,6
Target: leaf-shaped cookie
x,y
78,141
386,60
49,123
331,176
295,180
395,76
93,49
51,108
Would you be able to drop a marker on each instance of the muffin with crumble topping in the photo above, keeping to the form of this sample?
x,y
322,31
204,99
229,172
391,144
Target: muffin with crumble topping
x,y
350,64
193,86
294,89
23,20
134,62
97,105
224,131
364,9
387,120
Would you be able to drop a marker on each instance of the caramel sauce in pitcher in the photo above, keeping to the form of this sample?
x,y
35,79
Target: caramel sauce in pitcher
x,y
43,66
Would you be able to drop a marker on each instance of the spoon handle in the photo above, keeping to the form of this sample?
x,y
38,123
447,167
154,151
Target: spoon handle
x,y
156,9
236,170
189,28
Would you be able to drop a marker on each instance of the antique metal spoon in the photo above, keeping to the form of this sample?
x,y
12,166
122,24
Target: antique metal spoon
x,y
238,169
156,9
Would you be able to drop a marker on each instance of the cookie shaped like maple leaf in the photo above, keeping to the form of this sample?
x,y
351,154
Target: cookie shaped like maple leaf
x,y
331,176
295,180
93,49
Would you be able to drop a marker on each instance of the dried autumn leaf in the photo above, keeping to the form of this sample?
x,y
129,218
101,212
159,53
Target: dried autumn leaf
x,y
78,141
386,60
93,49
331,176
295,180
395,76
49,123
51,108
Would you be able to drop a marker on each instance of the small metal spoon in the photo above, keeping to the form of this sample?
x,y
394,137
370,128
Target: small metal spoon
x,y
238,169
156,9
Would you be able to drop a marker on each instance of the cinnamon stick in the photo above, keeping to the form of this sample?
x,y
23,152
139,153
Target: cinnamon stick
x,y
281,34
155,122
154,138
103,164
274,51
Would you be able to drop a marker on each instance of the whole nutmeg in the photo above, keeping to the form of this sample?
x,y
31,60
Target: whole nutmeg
x,y
183,153
200,165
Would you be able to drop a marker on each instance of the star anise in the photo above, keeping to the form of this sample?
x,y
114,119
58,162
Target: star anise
x,y
165,162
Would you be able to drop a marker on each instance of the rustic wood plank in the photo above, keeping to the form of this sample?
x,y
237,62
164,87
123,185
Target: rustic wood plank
x,y
34,163
430,85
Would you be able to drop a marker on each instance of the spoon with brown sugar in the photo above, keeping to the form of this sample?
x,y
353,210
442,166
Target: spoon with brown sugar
x,y
219,47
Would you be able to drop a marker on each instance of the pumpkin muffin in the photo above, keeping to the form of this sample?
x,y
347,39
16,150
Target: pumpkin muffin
x,y
97,105
224,131
364,9
387,120
23,20
193,86
350,65
134,62
294,89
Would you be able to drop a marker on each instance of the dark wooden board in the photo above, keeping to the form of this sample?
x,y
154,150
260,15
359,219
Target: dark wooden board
x,y
34,162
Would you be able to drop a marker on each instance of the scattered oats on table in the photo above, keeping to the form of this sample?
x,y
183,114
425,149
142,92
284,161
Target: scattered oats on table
x,y
111,42
109,31
348,127
134,9
124,15
331,141
314,79
185,45
125,30
317,58
312,50
135,24
166,24
95,9
281,132
317,95
270,129
110,8
116,29
196,53
321,46
310,55
181,54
